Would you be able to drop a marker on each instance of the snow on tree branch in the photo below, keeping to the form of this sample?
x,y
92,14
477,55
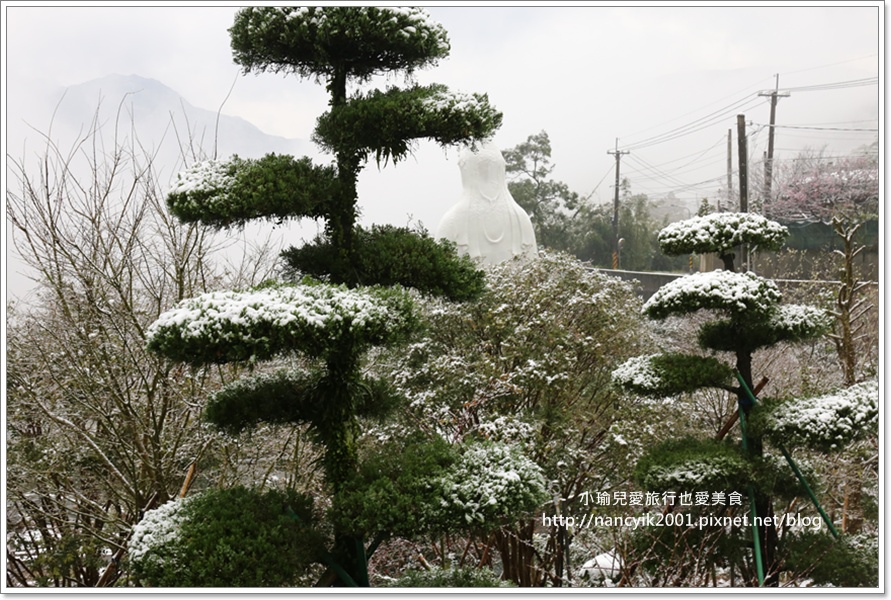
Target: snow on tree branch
x,y
722,290
668,374
224,193
826,423
314,41
720,233
258,324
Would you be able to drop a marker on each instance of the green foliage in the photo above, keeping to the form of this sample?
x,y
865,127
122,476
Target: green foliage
x,y
235,537
695,465
774,476
690,464
316,42
550,204
685,373
274,187
73,553
845,562
465,577
749,332
291,397
385,124
422,486
387,256
395,490
672,373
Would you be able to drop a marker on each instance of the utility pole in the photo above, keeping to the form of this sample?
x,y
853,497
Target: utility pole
x,y
768,164
743,180
729,168
618,154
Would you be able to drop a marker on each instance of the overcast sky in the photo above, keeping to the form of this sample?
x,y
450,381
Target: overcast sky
x,y
667,81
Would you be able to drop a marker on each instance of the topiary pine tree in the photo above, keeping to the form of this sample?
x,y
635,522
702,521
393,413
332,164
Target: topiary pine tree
x,y
333,323
337,45
753,319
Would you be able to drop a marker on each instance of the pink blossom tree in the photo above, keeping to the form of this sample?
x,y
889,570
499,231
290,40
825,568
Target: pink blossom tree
x,y
845,195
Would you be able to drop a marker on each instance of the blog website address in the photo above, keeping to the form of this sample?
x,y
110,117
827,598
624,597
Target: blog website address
x,y
679,520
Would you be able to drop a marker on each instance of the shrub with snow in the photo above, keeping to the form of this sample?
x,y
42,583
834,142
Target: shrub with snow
x,y
720,290
261,323
720,233
489,483
828,422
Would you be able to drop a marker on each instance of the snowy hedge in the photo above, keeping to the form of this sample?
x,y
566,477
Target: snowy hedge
x,y
490,483
386,124
258,324
720,233
786,323
800,321
235,537
308,40
721,290
231,192
693,465
660,375
825,423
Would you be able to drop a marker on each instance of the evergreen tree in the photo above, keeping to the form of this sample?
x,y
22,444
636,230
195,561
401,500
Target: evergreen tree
x,y
753,319
333,324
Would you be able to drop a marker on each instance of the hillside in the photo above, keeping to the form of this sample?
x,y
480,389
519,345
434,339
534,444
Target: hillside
x,y
161,118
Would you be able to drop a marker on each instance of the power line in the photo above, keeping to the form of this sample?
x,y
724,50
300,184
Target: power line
x,y
679,117
739,106
838,85
697,125
818,128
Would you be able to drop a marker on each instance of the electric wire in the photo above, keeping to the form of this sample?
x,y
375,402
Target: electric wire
x,y
697,125
649,173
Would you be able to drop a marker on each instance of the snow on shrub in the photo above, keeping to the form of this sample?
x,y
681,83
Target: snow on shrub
x,y
800,321
720,233
722,290
827,422
670,373
491,482
220,327
152,538
693,465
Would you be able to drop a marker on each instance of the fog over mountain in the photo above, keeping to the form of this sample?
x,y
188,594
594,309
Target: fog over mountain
x,y
127,109
145,109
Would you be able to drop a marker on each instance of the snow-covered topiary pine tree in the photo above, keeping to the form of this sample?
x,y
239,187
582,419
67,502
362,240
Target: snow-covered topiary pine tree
x,y
751,317
338,46
335,323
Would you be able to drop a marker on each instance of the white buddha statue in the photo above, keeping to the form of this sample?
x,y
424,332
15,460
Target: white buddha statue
x,y
487,223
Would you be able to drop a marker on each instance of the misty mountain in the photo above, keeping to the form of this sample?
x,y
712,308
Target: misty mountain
x,y
133,107
126,110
